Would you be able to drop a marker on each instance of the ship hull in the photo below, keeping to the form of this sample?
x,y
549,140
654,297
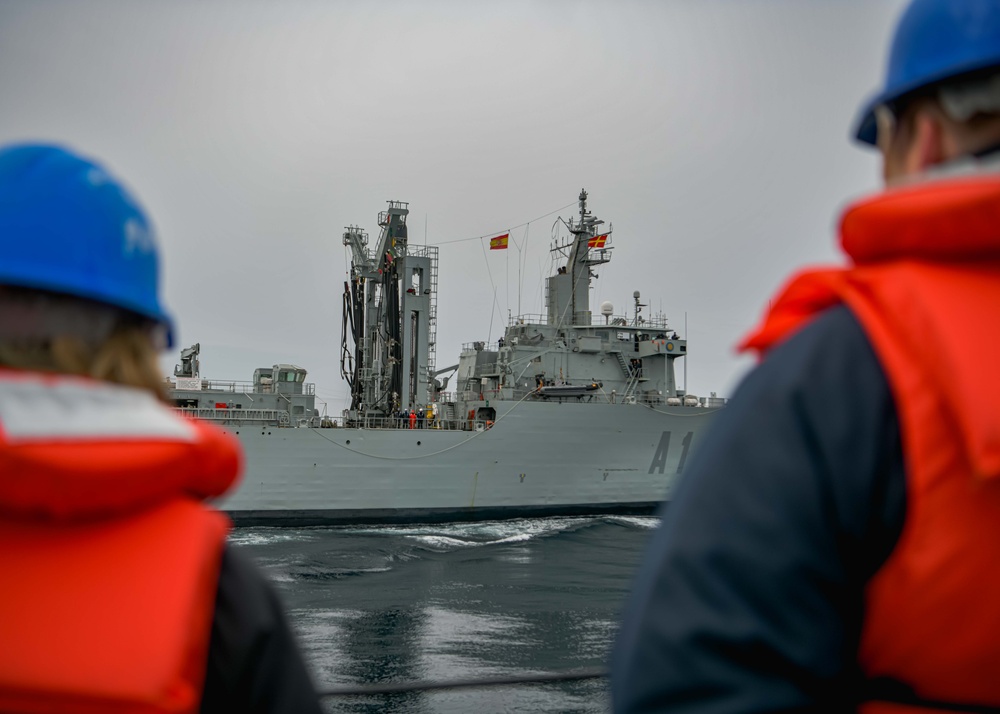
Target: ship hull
x,y
537,459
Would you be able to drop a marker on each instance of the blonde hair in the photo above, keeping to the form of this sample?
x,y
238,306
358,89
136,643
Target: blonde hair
x,y
125,353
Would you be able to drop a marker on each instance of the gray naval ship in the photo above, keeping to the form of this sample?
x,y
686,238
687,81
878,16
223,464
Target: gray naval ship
x,y
567,413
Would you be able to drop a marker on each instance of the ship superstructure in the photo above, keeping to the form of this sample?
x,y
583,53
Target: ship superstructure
x,y
567,353
571,353
567,412
277,396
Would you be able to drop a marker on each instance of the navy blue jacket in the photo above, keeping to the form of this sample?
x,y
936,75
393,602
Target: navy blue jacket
x,y
750,595
254,664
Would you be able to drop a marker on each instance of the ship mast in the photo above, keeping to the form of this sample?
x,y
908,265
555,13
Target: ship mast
x,y
569,289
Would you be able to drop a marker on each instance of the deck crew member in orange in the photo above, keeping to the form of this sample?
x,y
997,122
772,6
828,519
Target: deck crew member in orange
x,y
118,591
835,545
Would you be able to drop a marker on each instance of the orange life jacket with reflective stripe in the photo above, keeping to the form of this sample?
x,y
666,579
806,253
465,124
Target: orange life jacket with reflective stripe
x,y
109,562
925,286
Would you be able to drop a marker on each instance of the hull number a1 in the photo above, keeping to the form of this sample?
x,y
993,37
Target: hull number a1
x,y
659,462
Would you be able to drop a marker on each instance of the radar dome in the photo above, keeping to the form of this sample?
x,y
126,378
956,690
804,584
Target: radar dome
x,y
607,308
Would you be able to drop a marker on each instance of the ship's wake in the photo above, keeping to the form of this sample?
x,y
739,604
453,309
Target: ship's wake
x,y
445,537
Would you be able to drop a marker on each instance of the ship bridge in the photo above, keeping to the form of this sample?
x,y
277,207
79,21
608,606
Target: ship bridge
x,y
279,379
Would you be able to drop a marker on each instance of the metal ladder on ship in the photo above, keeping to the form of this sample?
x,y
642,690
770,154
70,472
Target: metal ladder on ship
x,y
630,386
632,378
622,363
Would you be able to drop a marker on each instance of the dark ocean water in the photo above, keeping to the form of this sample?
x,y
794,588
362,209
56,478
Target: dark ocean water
x,y
407,603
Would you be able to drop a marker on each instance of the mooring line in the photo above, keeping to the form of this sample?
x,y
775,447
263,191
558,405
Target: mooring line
x,y
363,690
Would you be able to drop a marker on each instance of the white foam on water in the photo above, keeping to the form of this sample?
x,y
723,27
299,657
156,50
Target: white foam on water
x,y
438,542
471,535
266,536
647,522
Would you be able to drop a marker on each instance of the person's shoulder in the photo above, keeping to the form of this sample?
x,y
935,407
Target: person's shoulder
x,y
831,353
827,373
833,334
246,592
254,663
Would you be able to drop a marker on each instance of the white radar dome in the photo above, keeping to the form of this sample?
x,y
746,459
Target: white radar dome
x,y
607,308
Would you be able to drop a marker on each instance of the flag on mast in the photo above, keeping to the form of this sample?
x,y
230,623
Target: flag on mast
x,y
499,242
598,241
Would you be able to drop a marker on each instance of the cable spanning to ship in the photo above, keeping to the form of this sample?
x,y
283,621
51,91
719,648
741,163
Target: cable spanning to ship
x,y
368,690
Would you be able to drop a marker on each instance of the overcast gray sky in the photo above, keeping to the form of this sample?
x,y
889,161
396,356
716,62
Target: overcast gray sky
x,y
713,134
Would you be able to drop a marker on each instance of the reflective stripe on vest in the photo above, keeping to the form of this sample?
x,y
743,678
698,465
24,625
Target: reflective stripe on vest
x,y
33,408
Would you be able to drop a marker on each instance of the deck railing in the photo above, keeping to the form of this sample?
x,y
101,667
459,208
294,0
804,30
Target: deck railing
x,y
646,323
245,387
380,422
277,417
281,417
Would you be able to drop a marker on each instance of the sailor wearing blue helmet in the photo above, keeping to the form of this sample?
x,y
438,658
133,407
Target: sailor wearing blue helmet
x,y
118,591
67,227
935,44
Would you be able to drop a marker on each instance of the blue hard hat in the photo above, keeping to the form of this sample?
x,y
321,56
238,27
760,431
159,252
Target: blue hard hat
x,y
935,40
67,226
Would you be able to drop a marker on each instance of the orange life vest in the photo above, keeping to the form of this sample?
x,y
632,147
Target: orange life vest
x,y
925,286
109,563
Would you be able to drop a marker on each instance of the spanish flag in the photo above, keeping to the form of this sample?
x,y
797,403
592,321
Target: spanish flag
x,y
499,242
598,241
